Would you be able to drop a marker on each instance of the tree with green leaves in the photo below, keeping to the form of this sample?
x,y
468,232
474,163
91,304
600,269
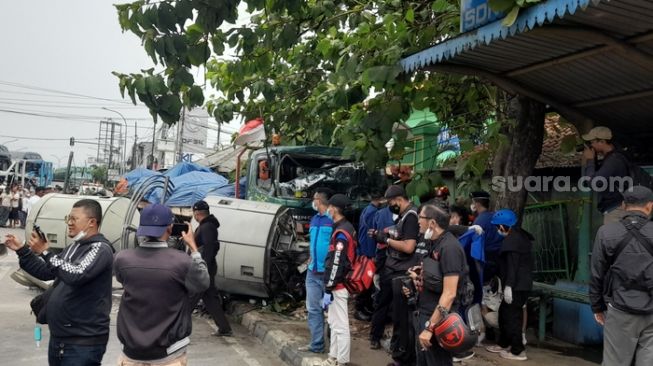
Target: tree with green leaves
x,y
319,72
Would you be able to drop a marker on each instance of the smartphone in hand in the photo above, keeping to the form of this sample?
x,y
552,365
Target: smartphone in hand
x,y
178,228
39,232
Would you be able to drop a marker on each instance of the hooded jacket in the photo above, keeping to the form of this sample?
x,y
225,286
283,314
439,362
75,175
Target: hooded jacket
x,y
516,260
78,308
206,237
320,235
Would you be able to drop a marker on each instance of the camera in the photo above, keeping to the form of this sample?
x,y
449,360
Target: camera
x,y
412,297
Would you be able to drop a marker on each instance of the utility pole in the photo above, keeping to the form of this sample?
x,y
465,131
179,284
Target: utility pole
x,y
124,150
153,141
134,147
179,146
66,182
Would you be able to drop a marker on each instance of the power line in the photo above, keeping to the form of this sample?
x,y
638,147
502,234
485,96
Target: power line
x,y
31,87
48,138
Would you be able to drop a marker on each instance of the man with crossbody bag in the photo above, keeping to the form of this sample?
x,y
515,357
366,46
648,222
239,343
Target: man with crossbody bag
x,y
621,285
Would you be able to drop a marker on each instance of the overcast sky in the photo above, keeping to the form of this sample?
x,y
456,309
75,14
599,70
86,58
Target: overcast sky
x,y
71,47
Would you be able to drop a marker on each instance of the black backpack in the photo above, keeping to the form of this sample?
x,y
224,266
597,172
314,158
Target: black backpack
x,y
640,176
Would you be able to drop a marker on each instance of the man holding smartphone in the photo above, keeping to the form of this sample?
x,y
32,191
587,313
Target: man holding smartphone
x,y
206,237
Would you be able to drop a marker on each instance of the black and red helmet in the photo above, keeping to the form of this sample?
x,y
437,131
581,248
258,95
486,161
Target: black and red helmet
x,y
454,335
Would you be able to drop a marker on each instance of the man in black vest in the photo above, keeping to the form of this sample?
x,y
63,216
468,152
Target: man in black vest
x,y
401,244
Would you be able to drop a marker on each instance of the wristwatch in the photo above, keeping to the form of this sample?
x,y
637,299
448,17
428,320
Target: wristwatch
x,y
429,327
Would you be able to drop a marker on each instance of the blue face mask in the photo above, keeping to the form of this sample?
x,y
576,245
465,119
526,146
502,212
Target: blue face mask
x,y
328,214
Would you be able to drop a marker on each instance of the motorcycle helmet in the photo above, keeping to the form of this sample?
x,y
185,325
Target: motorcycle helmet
x,y
454,335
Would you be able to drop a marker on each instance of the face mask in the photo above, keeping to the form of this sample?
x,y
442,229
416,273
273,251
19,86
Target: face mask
x,y
80,235
314,205
328,214
428,235
472,207
395,209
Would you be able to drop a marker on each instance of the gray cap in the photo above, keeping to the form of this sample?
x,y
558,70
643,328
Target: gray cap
x,y
395,191
638,195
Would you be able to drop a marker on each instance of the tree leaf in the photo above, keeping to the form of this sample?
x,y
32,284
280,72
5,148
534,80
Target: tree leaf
x,y
501,5
410,15
509,20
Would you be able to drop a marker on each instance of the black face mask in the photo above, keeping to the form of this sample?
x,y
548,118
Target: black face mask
x,y
395,209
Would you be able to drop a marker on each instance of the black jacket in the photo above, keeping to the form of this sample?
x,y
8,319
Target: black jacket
x,y
516,260
79,306
613,165
206,237
633,263
154,319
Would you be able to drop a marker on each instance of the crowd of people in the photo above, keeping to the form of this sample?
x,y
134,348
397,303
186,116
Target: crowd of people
x,y
16,202
431,261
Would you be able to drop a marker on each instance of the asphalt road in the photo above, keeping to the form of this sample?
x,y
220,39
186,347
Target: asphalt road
x,y
17,346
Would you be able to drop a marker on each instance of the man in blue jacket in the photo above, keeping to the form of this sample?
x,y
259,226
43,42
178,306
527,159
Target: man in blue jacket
x,y
367,247
321,228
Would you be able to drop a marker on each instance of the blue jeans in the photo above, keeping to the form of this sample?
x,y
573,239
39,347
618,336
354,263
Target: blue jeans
x,y
66,354
314,295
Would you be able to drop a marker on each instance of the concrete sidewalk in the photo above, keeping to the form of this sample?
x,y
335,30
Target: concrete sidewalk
x,y
286,334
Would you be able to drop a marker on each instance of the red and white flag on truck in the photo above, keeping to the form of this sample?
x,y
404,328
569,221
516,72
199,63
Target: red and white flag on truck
x,y
252,131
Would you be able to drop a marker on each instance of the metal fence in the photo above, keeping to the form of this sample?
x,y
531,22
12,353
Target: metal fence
x,y
548,224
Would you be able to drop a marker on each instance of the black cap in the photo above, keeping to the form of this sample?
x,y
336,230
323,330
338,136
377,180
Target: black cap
x,y
395,191
201,206
638,195
339,200
479,195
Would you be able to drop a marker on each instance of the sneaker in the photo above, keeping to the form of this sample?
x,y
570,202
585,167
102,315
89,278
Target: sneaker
x,y
510,356
220,333
496,349
331,361
309,349
375,344
463,356
523,339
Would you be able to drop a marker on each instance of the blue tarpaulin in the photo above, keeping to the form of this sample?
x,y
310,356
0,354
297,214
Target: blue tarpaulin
x,y
229,190
184,168
137,175
190,188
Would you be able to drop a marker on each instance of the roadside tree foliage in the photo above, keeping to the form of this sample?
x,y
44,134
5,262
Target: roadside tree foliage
x,y
319,72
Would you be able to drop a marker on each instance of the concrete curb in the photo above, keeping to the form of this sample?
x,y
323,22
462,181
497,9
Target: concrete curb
x,y
283,343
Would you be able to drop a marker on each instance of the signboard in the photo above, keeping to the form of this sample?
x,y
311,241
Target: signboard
x,y
475,14
113,174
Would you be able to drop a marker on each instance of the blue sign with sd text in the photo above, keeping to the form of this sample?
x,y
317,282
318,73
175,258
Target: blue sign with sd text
x,y
475,14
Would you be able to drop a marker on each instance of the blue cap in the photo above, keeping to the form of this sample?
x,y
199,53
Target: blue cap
x,y
155,219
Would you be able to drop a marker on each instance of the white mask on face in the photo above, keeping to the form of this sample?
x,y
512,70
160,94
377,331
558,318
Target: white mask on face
x,y
428,234
315,206
80,235
472,207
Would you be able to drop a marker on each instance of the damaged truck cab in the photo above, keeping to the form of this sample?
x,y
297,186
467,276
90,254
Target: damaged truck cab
x,y
289,176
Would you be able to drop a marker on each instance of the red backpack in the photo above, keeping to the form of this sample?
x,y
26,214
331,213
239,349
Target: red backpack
x,y
361,275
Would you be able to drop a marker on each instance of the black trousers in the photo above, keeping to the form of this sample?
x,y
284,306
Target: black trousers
x,y
364,301
382,305
213,304
402,343
434,355
511,318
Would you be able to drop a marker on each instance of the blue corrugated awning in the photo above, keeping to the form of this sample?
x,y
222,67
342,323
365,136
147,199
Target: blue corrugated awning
x,y
527,20
590,60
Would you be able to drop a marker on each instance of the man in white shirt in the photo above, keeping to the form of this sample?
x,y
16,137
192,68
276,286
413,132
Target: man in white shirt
x,y
38,193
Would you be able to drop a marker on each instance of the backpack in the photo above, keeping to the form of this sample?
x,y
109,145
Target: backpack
x,y
361,274
639,176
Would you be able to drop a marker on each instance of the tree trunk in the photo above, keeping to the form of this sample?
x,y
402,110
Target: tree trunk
x,y
518,157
